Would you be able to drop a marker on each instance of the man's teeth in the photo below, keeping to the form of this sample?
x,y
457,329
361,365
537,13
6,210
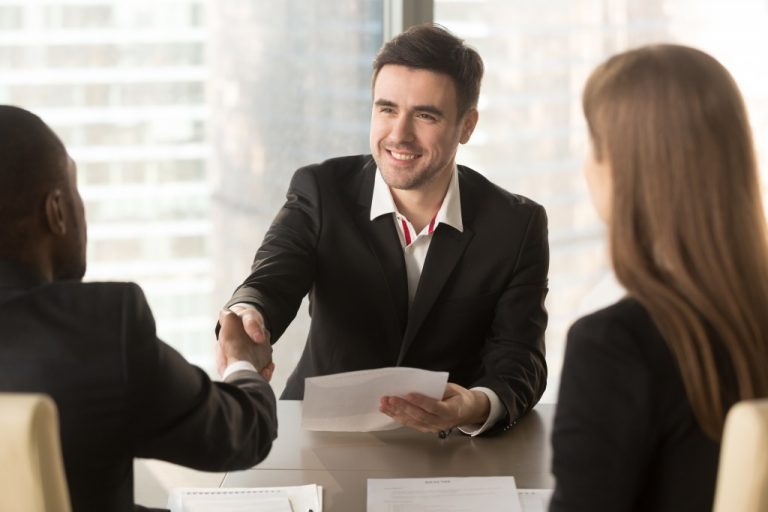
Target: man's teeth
x,y
402,156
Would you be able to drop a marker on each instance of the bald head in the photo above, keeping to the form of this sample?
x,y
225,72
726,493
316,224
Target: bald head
x,y
40,208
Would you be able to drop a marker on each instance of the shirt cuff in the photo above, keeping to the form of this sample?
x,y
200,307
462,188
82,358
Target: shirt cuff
x,y
244,304
238,366
494,415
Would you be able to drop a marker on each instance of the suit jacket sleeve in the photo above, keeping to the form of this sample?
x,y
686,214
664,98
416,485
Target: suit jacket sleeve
x,y
178,414
513,355
604,413
284,267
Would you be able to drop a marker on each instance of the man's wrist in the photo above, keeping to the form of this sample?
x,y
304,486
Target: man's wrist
x,y
482,407
236,366
496,412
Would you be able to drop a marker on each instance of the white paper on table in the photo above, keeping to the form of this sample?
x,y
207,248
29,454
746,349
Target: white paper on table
x,y
299,498
535,500
349,402
469,494
248,505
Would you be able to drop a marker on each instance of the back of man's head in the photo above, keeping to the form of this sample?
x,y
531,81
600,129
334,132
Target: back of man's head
x,y
33,161
432,47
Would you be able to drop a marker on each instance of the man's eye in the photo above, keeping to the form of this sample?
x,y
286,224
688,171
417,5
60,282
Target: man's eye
x,y
428,117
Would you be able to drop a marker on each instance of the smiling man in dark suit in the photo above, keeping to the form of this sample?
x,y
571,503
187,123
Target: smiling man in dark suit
x,y
409,259
120,391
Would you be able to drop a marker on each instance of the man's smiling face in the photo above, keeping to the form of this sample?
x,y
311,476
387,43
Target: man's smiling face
x,y
415,126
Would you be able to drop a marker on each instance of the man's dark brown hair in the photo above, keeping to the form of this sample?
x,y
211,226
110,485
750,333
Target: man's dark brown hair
x,y
433,48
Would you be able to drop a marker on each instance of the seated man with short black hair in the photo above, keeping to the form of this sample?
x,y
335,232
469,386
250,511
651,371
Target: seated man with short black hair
x,y
120,391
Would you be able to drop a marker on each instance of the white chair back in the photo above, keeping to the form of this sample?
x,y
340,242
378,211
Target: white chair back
x,y
742,477
32,477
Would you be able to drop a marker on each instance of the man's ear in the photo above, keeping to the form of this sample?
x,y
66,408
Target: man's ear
x,y
55,212
468,125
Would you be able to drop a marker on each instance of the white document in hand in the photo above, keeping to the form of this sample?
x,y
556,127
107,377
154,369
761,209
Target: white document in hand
x,y
470,494
349,402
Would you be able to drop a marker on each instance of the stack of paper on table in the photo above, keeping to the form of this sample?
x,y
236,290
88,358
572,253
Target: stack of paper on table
x,y
301,498
467,494
535,500
349,402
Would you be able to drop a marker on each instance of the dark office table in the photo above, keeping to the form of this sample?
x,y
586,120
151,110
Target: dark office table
x,y
343,462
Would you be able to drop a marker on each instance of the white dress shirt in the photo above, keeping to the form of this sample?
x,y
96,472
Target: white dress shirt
x,y
415,248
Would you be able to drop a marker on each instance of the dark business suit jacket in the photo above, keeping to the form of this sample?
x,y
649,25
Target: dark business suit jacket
x,y
122,393
479,308
625,437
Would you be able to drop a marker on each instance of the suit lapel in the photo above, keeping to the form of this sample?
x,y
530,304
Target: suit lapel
x,y
383,241
445,251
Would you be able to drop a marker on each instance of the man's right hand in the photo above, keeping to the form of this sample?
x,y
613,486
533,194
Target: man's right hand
x,y
237,344
253,322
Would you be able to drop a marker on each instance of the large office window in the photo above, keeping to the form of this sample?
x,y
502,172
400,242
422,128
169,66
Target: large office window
x,y
124,85
285,90
531,137
188,117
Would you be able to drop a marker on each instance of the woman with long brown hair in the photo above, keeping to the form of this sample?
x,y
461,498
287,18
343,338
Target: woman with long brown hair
x,y
647,382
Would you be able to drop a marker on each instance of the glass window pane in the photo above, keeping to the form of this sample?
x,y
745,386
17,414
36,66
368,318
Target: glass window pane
x,y
531,137
187,119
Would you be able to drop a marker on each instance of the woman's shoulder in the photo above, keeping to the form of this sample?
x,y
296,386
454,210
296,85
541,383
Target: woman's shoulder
x,y
627,312
623,326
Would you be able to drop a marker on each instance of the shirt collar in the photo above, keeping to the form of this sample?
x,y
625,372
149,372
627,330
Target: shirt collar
x,y
449,213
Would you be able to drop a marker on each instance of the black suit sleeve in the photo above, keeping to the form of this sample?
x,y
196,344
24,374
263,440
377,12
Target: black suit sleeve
x,y
604,413
284,267
513,355
178,414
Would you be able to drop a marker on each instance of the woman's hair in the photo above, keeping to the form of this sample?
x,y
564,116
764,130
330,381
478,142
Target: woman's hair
x,y
687,232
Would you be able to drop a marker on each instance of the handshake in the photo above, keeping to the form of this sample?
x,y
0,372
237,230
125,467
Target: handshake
x,y
244,337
